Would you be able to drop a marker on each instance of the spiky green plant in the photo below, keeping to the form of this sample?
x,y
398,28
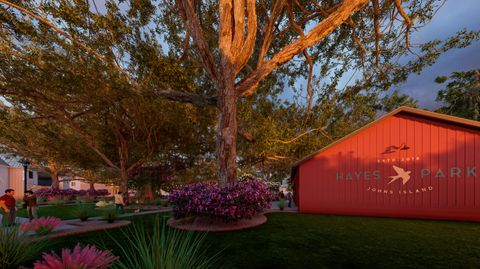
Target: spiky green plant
x,y
110,214
17,249
281,204
162,248
84,212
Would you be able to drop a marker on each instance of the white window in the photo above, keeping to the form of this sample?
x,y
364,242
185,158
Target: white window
x,y
72,183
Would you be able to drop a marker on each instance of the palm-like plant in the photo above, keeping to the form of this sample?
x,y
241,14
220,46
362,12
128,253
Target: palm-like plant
x,y
162,248
88,257
84,212
17,249
41,226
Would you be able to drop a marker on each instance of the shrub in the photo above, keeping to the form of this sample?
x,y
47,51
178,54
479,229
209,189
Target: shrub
x,y
55,200
41,226
162,248
85,199
17,249
149,201
281,204
81,199
88,257
103,203
19,202
238,200
110,215
161,201
70,192
84,212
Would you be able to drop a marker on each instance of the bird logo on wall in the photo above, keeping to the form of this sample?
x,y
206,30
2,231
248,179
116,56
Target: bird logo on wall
x,y
401,174
393,148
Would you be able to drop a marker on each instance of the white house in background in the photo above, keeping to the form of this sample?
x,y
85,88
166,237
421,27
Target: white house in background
x,y
78,184
12,176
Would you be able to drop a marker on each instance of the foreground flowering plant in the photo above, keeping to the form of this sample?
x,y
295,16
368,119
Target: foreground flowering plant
x,y
41,226
87,257
238,200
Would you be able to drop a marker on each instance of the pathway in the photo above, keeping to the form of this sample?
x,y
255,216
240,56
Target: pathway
x,y
75,226
275,208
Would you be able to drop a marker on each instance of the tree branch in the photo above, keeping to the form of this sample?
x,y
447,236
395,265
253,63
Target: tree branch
x,y
408,21
249,84
299,136
376,23
309,81
239,26
70,37
249,42
268,29
192,24
186,97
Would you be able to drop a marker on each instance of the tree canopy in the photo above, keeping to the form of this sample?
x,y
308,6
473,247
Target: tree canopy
x,y
106,72
461,94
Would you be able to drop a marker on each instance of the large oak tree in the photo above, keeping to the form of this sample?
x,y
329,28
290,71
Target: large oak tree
x,y
238,44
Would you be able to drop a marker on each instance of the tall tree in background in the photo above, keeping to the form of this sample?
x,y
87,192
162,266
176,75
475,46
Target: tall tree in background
x,y
44,144
255,41
51,148
283,134
250,47
45,76
461,95
396,100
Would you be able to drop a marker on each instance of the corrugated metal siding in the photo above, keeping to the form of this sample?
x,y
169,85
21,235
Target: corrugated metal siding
x,y
363,167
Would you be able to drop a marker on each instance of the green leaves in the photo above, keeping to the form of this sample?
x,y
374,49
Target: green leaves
x,y
162,248
461,95
17,249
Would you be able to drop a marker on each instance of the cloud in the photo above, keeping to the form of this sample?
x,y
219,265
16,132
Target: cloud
x,y
454,16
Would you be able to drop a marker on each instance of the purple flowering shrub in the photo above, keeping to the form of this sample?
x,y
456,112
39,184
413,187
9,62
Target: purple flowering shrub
x,y
51,192
238,200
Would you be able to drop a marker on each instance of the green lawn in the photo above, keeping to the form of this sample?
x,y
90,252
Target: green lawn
x,y
63,211
318,241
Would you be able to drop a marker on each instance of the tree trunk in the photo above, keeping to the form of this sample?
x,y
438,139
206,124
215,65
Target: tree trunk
x,y
147,190
55,181
92,186
227,134
124,184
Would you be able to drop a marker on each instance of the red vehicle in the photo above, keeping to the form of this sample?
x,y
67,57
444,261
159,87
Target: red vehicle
x,y
410,163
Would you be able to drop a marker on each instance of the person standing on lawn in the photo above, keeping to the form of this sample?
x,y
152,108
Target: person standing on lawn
x,y
289,198
30,201
119,203
7,203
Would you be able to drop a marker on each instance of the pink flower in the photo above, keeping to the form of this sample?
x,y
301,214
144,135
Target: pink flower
x,y
88,257
41,226
236,201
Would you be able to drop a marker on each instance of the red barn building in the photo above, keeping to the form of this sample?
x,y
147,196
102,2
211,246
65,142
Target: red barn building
x,y
409,163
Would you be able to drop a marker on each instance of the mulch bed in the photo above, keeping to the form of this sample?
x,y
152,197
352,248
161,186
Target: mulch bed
x,y
206,224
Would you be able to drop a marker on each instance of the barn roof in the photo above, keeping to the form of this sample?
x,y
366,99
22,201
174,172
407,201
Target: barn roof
x,y
11,161
419,113
2,162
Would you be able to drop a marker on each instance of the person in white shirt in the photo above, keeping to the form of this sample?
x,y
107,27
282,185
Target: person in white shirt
x,y
119,203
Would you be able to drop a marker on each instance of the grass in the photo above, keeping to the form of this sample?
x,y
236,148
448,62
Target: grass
x,y
63,212
318,241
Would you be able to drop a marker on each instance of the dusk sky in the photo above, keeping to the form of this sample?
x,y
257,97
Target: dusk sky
x,y
454,16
